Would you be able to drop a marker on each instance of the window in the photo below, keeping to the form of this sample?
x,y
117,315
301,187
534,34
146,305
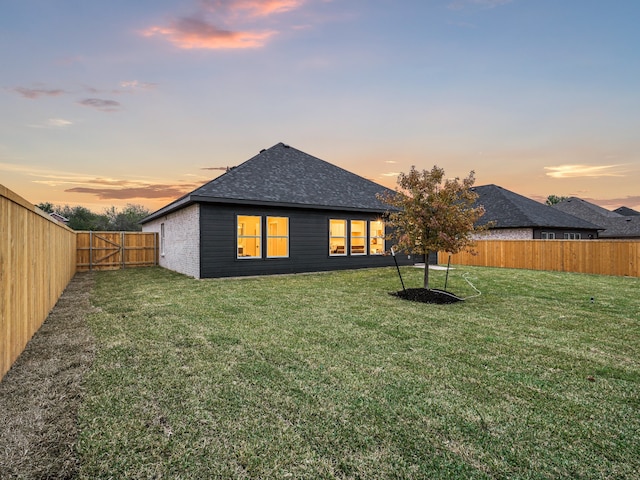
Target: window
x,y
162,239
376,237
572,236
358,237
548,236
337,237
277,237
249,236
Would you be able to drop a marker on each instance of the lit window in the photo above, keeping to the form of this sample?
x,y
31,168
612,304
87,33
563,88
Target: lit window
x,y
358,237
337,237
249,236
376,237
277,237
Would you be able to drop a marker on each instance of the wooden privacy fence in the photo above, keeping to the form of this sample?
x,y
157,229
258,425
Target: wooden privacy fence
x,y
115,250
603,257
37,261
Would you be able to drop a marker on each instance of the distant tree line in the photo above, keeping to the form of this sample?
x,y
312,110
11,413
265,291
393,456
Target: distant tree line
x,y
81,218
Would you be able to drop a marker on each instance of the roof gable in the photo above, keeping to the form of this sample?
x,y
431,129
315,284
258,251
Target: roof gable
x,y
614,224
285,176
627,212
507,209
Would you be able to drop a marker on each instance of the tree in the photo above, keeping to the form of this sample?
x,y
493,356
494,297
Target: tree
x,y
554,199
128,219
432,214
46,207
81,218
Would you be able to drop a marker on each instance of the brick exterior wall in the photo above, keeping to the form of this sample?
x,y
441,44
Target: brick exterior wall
x,y
181,240
506,234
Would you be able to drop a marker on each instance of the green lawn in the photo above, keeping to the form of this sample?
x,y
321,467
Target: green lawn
x,y
329,376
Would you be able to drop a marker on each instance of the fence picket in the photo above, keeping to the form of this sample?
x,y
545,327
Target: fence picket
x,y
602,257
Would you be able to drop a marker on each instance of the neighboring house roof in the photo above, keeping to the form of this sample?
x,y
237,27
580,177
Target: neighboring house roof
x,y
58,217
507,209
626,211
285,176
614,224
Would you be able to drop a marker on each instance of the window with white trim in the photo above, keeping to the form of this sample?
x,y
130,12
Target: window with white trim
x,y
547,236
572,236
358,237
337,237
376,237
249,236
277,237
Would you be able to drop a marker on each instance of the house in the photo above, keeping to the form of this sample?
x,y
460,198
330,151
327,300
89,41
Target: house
x,y
615,225
626,211
515,217
282,211
59,218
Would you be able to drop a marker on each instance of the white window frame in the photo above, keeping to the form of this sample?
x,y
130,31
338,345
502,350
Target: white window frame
x,y
269,237
240,235
572,236
344,237
363,237
378,238
547,236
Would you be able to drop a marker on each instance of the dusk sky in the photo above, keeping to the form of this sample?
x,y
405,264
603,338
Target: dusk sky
x,y
109,103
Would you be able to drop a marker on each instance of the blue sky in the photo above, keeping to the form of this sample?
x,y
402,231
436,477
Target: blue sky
x,y
108,103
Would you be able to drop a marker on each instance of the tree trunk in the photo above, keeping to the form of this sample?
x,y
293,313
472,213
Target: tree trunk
x,y
426,269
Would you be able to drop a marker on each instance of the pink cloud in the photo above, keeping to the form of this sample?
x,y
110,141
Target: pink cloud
x,y
34,93
131,192
101,104
195,33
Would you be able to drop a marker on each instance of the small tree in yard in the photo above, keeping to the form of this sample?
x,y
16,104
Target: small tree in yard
x,y
433,214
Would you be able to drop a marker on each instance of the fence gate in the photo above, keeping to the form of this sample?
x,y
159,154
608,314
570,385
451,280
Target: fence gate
x,y
116,250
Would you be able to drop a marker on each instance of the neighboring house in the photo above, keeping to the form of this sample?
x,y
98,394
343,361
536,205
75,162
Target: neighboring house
x,y
515,217
614,224
626,211
282,211
59,217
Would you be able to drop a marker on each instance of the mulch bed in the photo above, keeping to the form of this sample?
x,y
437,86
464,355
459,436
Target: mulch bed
x,y
425,295
41,393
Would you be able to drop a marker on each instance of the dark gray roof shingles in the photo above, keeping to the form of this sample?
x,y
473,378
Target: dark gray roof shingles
x,y
507,209
614,224
285,176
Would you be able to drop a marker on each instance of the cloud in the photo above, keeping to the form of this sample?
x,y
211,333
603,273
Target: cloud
x,y
575,171
135,84
101,104
196,33
148,191
462,4
59,122
103,188
630,201
33,93
391,174
203,30
53,123
253,7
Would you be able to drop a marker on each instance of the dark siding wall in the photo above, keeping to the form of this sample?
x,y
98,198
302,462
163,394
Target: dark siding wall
x,y
559,232
308,243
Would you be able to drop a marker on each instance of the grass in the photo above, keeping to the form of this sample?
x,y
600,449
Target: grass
x,y
328,376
